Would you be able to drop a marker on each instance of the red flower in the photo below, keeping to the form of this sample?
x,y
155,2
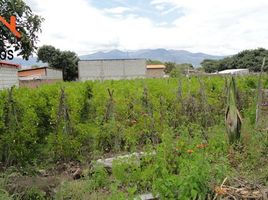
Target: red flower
x,y
190,151
201,146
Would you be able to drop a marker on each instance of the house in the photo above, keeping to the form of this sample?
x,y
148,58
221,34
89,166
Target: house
x,y
111,69
8,75
155,71
37,76
234,72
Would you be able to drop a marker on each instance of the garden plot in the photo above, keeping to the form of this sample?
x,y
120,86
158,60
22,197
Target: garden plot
x,y
52,126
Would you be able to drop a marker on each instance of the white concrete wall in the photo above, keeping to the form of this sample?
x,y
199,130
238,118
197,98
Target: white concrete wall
x,y
53,74
111,69
8,77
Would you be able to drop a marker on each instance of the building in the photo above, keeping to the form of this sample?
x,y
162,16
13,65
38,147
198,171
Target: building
x,y
155,71
111,69
8,75
37,76
234,72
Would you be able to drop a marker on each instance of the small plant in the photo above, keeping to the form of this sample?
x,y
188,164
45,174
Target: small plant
x,y
33,194
17,131
4,195
99,177
63,143
87,107
109,112
63,117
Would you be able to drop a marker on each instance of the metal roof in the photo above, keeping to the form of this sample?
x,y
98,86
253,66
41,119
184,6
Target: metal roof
x,y
114,59
155,66
233,71
7,64
36,68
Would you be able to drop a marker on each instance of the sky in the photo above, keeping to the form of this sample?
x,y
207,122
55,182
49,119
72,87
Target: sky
x,y
218,27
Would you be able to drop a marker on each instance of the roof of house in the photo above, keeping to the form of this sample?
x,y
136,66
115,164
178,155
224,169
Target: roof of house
x,y
155,66
7,64
37,68
233,71
111,59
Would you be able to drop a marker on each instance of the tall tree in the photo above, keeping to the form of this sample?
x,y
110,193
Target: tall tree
x,y
210,65
169,67
67,61
180,69
28,25
47,53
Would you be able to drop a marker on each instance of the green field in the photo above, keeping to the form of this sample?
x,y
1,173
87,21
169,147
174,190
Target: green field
x,y
179,124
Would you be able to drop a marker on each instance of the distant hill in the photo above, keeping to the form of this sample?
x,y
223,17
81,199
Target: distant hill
x,y
27,63
177,56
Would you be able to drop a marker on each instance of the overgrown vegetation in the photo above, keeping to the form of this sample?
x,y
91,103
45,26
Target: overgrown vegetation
x,y
178,124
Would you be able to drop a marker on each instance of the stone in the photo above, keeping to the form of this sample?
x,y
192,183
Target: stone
x,y
108,162
42,173
77,174
148,196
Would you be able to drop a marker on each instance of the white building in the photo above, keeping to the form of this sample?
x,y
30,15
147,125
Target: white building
x,y
234,71
8,75
114,69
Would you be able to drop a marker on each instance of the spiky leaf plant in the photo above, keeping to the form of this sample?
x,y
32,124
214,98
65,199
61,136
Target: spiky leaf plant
x,y
233,120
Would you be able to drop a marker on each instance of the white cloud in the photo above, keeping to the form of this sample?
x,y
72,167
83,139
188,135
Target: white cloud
x,y
160,7
210,26
159,2
116,10
230,25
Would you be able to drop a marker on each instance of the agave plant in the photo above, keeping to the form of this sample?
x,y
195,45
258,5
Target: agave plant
x,y
233,120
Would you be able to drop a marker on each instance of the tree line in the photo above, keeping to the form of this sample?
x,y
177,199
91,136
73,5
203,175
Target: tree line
x,y
247,59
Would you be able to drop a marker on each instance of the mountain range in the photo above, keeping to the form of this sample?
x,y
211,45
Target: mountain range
x,y
164,55
28,63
